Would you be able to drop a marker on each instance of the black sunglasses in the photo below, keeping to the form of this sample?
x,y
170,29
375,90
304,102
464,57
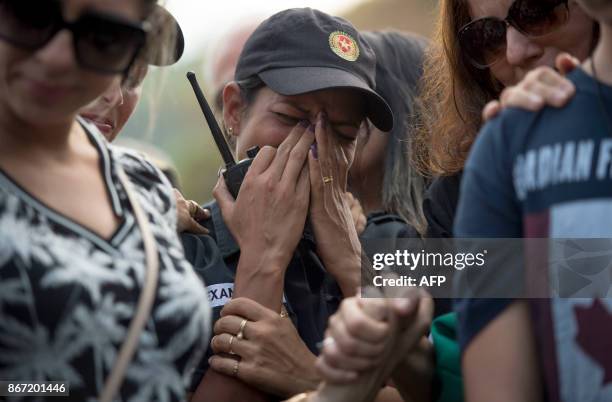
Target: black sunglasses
x,y
102,43
483,41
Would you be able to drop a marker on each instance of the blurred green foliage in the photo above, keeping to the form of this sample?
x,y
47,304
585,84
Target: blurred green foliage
x,y
169,117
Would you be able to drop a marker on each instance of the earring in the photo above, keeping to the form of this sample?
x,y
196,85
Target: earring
x,y
230,130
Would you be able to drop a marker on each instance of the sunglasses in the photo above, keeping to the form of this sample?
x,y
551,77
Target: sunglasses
x,y
102,43
483,41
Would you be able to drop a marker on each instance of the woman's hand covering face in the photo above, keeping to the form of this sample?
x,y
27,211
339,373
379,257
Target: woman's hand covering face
x,y
330,214
267,219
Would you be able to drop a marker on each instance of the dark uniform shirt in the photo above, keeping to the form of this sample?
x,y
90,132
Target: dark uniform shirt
x,y
385,225
311,295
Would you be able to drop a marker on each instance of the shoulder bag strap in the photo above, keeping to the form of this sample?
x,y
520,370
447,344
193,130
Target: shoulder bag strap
x,y
145,302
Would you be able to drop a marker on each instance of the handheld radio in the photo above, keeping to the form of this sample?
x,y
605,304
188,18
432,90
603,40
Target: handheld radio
x,y
234,172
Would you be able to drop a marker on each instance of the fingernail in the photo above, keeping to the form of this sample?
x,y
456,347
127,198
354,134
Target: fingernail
x,y
210,360
305,123
313,149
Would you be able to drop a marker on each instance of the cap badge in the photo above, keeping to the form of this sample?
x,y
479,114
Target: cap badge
x,y
344,45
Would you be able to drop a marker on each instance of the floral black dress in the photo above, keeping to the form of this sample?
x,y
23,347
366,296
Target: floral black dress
x,y
67,295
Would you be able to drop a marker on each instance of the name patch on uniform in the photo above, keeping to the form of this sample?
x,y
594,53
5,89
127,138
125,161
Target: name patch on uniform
x,y
220,294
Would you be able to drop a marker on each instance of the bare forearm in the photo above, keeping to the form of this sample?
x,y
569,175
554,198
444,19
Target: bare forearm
x,y
413,377
216,387
512,371
347,274
261,280
349,283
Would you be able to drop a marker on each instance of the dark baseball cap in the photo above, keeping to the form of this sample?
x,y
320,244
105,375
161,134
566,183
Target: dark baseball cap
x,y
302,50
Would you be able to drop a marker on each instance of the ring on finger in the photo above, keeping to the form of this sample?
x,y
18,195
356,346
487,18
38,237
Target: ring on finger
x,y
236,368
194,208
327,179
231,341
240,334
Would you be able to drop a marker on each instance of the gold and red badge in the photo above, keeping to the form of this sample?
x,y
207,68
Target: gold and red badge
x,y
344,45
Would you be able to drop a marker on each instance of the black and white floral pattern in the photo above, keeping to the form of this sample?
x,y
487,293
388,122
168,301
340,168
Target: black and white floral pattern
x,y
67,295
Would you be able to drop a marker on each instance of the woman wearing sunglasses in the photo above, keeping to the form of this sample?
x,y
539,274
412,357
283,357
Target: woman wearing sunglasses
x,y
94,287
556,344
480,48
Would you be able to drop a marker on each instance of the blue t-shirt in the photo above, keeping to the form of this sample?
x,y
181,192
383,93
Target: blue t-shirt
x,y
548,175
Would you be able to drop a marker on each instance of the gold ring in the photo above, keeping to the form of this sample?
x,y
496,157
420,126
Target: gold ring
x,y
240,334
194,208
236,368
231,341
284,313
327,179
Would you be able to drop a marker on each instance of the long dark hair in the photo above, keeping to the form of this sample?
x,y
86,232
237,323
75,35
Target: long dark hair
x,y
399,69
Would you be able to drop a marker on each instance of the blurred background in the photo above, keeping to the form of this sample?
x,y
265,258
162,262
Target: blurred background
x,y
168,115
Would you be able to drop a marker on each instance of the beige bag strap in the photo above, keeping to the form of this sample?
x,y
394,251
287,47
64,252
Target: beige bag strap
x,y
145,302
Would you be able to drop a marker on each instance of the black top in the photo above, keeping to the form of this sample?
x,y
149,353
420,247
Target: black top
x,y
384,225
440,205
311,295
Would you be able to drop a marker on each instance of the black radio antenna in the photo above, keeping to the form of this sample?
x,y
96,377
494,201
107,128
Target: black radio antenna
x,y
217,134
